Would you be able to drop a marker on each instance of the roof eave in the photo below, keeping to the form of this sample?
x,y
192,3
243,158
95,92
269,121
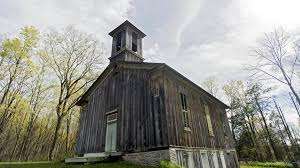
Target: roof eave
x,y
210,95
126,24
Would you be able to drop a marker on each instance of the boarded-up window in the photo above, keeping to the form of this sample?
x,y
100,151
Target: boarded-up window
x,y
208,119
185,111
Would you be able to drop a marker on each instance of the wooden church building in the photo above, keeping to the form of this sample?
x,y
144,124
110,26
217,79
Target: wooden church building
x,y
148,112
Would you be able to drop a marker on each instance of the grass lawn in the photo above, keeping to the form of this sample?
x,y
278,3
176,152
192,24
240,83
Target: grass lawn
x,y
120,164
266,164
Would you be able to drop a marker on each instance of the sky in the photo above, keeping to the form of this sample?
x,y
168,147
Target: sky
x,y
198,38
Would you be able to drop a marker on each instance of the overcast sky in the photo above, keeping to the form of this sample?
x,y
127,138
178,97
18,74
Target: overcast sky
x,y
199,38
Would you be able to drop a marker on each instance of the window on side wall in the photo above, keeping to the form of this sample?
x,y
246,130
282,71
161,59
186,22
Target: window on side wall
x,y
185,111
208,120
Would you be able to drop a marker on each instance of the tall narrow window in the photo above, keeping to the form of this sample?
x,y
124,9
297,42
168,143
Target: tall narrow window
x,y
119,41
185,111
209,124
204,159
134,42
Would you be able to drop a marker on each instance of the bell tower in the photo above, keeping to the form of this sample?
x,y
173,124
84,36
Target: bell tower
x,y
126,43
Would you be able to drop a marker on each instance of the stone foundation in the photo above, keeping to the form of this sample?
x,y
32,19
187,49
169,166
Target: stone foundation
x,y
150,158
186,157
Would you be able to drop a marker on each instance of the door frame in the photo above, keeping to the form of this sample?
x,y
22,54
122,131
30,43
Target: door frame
x,y
110,118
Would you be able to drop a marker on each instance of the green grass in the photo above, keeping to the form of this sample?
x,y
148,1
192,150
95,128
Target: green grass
x,y
266,164
120,164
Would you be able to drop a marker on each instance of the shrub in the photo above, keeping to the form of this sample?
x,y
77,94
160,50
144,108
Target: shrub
x,y
168,164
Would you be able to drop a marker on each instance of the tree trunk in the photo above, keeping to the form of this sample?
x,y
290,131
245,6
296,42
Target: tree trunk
x,y
273,153
232,128
257,144
11,79
295,94
57,127
7,114
68,132
253,139
287,129
25,140
295,147
286,148
295,105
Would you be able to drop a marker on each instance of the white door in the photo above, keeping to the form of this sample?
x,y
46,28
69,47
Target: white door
x,y
111,133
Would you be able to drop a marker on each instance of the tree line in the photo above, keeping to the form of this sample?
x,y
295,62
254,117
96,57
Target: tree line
x,y
257,117
42,76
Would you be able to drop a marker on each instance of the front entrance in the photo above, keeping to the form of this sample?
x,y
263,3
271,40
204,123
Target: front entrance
x,y
111,132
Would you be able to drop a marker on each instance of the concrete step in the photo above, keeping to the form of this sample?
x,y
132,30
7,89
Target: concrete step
x,y
84,159
93,157
76,160
103,154
114,154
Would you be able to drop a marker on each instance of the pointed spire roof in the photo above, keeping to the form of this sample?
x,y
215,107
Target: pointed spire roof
x,y
124,25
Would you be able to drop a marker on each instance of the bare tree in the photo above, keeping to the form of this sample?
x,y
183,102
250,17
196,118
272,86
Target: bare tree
x,y
210,84
278,58
75,58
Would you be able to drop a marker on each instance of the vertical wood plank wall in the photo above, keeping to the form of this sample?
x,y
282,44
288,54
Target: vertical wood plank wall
x,y
141,115
198,136
149,113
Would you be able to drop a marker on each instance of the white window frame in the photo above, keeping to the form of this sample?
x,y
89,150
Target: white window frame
x,y
208,120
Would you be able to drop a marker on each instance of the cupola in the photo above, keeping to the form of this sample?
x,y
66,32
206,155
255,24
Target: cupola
x,y
127,43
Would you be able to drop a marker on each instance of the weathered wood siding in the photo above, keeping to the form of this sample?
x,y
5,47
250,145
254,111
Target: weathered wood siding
x,y
141,114
150,113
199,135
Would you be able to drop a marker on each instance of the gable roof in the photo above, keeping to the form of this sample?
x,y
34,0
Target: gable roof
x,y
146,65
106,73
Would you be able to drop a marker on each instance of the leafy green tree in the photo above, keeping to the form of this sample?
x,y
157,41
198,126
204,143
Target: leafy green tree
x,y
74,58
16,68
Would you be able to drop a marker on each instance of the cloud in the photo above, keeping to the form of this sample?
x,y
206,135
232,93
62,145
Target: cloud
x,y
93,16
199,38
